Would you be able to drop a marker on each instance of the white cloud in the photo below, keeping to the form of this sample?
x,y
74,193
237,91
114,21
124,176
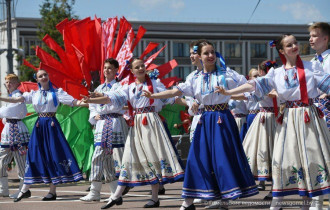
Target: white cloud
x,y
148,5
303,11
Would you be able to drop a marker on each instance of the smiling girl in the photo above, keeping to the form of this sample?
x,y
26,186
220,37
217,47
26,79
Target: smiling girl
x,y
301,154
217,167
49,158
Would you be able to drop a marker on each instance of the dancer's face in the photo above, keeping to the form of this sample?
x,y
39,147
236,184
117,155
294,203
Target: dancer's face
x,y
317,39
138,68
11,84
290,47
109,71
194,57
42,77
208,56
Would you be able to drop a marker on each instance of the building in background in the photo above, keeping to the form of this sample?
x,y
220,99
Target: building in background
x,y
243,46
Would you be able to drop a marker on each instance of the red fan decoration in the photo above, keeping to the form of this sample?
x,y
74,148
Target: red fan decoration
x,y
87,44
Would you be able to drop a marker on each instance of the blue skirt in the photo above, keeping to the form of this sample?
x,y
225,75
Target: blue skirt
x,y
217,167
49,158
246,126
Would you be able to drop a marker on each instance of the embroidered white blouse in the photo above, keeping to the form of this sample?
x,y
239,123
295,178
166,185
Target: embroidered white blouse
x,y
202,85
44,103
132,93
289,89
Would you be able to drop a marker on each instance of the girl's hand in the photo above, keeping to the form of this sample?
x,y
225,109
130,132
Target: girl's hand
x,y
194,107
97,117
146,93
95,94
85,99
221,90
272,94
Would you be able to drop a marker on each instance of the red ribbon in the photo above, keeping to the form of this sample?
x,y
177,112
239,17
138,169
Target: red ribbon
x,y
275,106
150,88
302,78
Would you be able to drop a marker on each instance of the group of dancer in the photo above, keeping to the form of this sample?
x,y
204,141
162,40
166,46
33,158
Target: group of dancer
x,y
272,127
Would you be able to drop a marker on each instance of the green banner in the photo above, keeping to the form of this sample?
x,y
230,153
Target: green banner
x,y
76,128
172,115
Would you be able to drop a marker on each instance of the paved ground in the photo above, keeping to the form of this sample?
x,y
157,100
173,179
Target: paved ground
x,y
68,198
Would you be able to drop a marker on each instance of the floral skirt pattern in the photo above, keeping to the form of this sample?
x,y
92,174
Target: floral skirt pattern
x,y
301,159
149,157
49,158
258,145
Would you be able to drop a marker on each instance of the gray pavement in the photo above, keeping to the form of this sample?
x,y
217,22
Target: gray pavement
x,y
68,198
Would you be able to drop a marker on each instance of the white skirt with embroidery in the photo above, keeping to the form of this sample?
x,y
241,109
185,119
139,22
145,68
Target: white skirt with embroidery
x,y
301,160
258,145
149,156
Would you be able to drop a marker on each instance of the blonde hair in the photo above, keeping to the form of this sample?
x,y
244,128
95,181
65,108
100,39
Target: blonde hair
x,y
250,72
13,77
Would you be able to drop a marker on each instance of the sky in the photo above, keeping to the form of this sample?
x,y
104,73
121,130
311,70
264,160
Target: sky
x,y
208,11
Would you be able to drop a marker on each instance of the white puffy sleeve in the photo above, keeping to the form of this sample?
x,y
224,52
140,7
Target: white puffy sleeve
x,y
321,78
263,85
160,87
28,96
64,97
187,87
119,97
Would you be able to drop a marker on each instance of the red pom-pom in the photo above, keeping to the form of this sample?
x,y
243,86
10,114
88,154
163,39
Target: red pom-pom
x,y
306,117
130,122
144,120
319,112
219,120
279,120
262,119
162,117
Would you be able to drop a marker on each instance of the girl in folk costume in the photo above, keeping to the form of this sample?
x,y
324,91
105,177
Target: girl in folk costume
x,y
109,137
14,136
49,159
259,140
216,166
149,157
302,141
252,106
319,41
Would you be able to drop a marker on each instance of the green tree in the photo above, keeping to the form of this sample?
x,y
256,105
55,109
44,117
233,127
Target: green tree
x,y
52,12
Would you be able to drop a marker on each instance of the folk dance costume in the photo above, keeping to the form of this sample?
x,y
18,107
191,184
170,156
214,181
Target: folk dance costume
x,y
324,104
49,159
239,110
149,157
109,141
301,157
253,109
259,140
216,166
118,129
14,140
